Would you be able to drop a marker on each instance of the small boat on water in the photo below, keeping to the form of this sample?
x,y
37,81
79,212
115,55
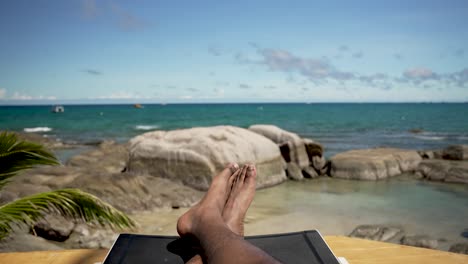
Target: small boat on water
x,y
58,109
137,106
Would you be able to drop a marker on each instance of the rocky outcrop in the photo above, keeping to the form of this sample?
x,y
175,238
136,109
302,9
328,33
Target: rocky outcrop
x,y
296,150
48,142
304,153
133,192
455,152
99,172
22,242
378,232
147,192
444,170
394,234
373,164
194,156
112,158
420,241
84,236
315,153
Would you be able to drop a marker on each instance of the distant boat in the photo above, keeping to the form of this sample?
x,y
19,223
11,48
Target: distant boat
x,y
137,106
58,109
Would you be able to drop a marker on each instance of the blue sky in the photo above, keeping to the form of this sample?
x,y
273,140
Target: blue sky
x,y
88,51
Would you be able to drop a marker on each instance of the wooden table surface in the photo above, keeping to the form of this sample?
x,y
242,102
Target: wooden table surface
x,y
356,251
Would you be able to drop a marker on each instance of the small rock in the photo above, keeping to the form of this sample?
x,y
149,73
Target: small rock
x,y
420,241
294,172
54,227
456,152
377,232
95,238
416,130
313,148
444,170
318,162
418,175
309,172
426,154
461,248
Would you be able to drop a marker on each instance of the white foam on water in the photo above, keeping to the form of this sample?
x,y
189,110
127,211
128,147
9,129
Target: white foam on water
x,y
37,129
431,137
146,127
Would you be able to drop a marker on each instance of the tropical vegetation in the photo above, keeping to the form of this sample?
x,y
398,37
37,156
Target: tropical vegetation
x,y
17,155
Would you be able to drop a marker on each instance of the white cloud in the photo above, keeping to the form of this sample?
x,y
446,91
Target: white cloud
x,y
27,97
420,73
122,95
284,61
2,93
20,96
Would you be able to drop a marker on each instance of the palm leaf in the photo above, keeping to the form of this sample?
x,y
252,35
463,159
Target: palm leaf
x,y
17,155
67,202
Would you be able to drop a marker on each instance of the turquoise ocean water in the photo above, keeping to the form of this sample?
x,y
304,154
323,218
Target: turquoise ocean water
x,y
339,127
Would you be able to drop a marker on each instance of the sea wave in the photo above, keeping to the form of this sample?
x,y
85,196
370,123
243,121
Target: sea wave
x,y
37,129
431,137
146,127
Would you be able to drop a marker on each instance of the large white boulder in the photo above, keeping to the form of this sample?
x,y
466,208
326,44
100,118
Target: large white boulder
x,y
194,156
373,164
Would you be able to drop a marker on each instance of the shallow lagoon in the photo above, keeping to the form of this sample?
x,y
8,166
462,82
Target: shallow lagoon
x,y
336,207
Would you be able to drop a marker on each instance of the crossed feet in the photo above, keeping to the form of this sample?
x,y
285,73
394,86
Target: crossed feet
x,y
226,201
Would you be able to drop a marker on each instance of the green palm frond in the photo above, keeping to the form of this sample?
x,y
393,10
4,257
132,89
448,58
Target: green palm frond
x,y
17,155
67,202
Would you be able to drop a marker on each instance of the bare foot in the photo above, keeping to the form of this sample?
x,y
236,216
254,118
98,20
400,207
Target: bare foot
x,y
211,205
240,198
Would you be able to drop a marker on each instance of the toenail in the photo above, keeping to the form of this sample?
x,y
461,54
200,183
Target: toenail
x,y
234,167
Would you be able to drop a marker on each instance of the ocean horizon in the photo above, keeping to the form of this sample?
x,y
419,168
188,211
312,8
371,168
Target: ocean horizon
x,y
338,126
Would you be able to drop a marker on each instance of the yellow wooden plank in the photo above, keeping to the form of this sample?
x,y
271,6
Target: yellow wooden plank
x,y
360,251
84,256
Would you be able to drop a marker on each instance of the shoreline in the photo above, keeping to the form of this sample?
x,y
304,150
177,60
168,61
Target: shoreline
x,y
271,213
333,206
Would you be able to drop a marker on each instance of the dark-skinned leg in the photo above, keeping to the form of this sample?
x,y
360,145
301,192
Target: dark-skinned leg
x,y
205,222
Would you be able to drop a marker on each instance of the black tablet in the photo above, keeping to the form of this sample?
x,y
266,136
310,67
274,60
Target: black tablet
x,y
299,247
